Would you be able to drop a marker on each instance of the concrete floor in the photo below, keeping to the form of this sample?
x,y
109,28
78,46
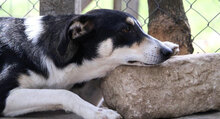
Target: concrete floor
x,y
63,115
47,115
205,115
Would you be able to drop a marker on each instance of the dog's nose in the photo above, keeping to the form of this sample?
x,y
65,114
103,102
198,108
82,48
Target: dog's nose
x,y
166,53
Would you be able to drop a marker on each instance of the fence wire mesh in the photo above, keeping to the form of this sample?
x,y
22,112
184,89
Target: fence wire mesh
x,y
19,8
203,16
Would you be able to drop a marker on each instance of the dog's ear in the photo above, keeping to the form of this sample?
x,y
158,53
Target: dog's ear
x,y
78,26
82,25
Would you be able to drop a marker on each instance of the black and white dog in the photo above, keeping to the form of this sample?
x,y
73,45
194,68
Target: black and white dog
x,y
41,58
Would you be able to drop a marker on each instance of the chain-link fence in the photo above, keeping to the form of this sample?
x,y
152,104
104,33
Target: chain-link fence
x,y
203,16
19,8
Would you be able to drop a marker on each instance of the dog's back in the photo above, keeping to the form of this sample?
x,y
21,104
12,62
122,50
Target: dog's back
x,y
7,27
12,37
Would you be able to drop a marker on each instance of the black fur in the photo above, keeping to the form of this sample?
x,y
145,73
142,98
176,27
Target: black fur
x,y
18,55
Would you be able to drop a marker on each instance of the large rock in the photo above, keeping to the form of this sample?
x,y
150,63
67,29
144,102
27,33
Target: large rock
x,y
180,86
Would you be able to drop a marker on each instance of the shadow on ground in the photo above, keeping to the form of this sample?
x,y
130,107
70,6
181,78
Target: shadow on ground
x,y
64,115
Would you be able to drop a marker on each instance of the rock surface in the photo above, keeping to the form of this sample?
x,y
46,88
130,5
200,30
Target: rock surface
x,y
180,86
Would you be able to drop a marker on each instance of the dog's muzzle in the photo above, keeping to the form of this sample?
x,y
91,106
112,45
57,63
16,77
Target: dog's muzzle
x,y
166,53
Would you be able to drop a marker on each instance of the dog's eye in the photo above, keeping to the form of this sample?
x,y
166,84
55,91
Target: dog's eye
x,y
126,29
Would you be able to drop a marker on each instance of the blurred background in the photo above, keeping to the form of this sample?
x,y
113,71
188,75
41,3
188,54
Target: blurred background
x,y
203,16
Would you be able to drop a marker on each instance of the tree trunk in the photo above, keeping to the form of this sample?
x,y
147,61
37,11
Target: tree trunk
x,y
60,7
168,22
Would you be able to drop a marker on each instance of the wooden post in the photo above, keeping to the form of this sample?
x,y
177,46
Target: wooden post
x,y
168,22
117,4
85,3
133,6
59,7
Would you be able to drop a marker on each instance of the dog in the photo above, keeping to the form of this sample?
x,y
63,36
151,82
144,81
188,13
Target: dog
x,y
41,58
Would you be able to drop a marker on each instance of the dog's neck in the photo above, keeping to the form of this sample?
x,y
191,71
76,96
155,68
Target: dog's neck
x,y
71,74
88,70
96,68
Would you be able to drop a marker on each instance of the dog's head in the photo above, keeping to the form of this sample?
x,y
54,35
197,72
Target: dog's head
x,y
116,37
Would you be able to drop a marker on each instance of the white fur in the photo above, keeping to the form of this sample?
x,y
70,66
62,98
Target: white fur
x,y
22,101
33,28
32,80
172,46
66,77
145,52
105,48
130,20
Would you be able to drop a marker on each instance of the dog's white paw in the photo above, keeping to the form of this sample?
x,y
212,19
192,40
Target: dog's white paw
x,y
173,46
107,114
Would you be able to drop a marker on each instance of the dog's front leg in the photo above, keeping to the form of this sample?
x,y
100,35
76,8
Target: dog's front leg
x,y
174,47
22,101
